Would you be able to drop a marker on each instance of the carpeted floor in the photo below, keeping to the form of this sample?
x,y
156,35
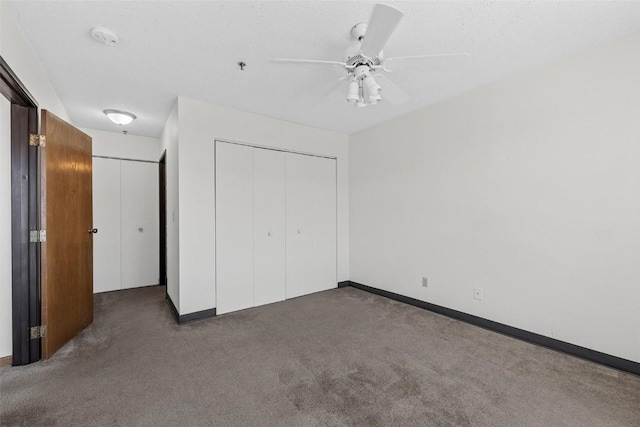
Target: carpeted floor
x,y
340,357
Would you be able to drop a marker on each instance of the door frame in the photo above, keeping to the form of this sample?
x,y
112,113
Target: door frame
x,y
162,197
25,216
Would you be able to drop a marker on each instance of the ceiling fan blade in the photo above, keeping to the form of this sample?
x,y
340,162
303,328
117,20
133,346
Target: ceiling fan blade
x,y
390,91
437,61
383,22
307,62
335,87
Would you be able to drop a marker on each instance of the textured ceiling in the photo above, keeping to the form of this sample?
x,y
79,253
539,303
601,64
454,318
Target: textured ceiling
x,y
191,48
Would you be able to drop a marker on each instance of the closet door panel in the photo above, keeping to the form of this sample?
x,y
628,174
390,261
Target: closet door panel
x,y
106,218
311,224
234,227
268,226
140,224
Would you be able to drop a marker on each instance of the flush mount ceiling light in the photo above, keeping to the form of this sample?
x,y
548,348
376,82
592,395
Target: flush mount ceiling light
x,y
120,117
104,36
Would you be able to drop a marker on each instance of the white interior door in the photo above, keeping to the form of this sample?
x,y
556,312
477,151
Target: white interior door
x,y
234,227
140,224
268,226
310,224
106,218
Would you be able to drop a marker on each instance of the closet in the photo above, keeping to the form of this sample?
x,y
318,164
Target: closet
x,y
126,216
275,225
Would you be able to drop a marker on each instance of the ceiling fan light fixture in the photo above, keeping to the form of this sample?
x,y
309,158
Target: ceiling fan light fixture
x,y
374,101
373,88
362,95
120,117
374,97
353,94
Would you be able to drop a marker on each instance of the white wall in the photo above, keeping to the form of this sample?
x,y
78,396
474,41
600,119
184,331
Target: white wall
x,y
5,228
2,13
119,145
15,50
529,189
169,144
199,125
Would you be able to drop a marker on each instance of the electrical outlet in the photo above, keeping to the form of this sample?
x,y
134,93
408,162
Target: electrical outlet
x,y
477,294
425,282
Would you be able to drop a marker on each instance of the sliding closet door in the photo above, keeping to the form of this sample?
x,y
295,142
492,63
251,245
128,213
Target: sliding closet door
x,y
234,227
140,224
311,224
268,226
106,219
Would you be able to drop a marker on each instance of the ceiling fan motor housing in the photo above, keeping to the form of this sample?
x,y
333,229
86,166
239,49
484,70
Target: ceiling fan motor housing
x,y
353,54
353,57
359,30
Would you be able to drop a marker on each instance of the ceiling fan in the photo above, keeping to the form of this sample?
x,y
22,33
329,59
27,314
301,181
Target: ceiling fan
x,y
364,59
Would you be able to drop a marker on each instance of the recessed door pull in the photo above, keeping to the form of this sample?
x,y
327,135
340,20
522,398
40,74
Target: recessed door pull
x,y
269,233
141,229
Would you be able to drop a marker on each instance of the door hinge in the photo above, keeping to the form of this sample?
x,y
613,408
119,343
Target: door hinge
x,y
38,236
38,332
37,140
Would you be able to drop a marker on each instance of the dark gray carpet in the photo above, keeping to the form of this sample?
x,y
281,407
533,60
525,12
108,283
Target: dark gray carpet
x,y
341,357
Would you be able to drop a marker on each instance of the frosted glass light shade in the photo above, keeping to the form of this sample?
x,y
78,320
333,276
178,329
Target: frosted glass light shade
x,y
353,95
120,117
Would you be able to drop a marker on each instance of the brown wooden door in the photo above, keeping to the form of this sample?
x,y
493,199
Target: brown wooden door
x,y
67,254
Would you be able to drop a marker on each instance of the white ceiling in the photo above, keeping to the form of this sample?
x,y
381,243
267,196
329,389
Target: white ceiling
x,y
191,48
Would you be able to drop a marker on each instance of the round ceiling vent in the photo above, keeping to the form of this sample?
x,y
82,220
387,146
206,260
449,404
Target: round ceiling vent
x,y
104,36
